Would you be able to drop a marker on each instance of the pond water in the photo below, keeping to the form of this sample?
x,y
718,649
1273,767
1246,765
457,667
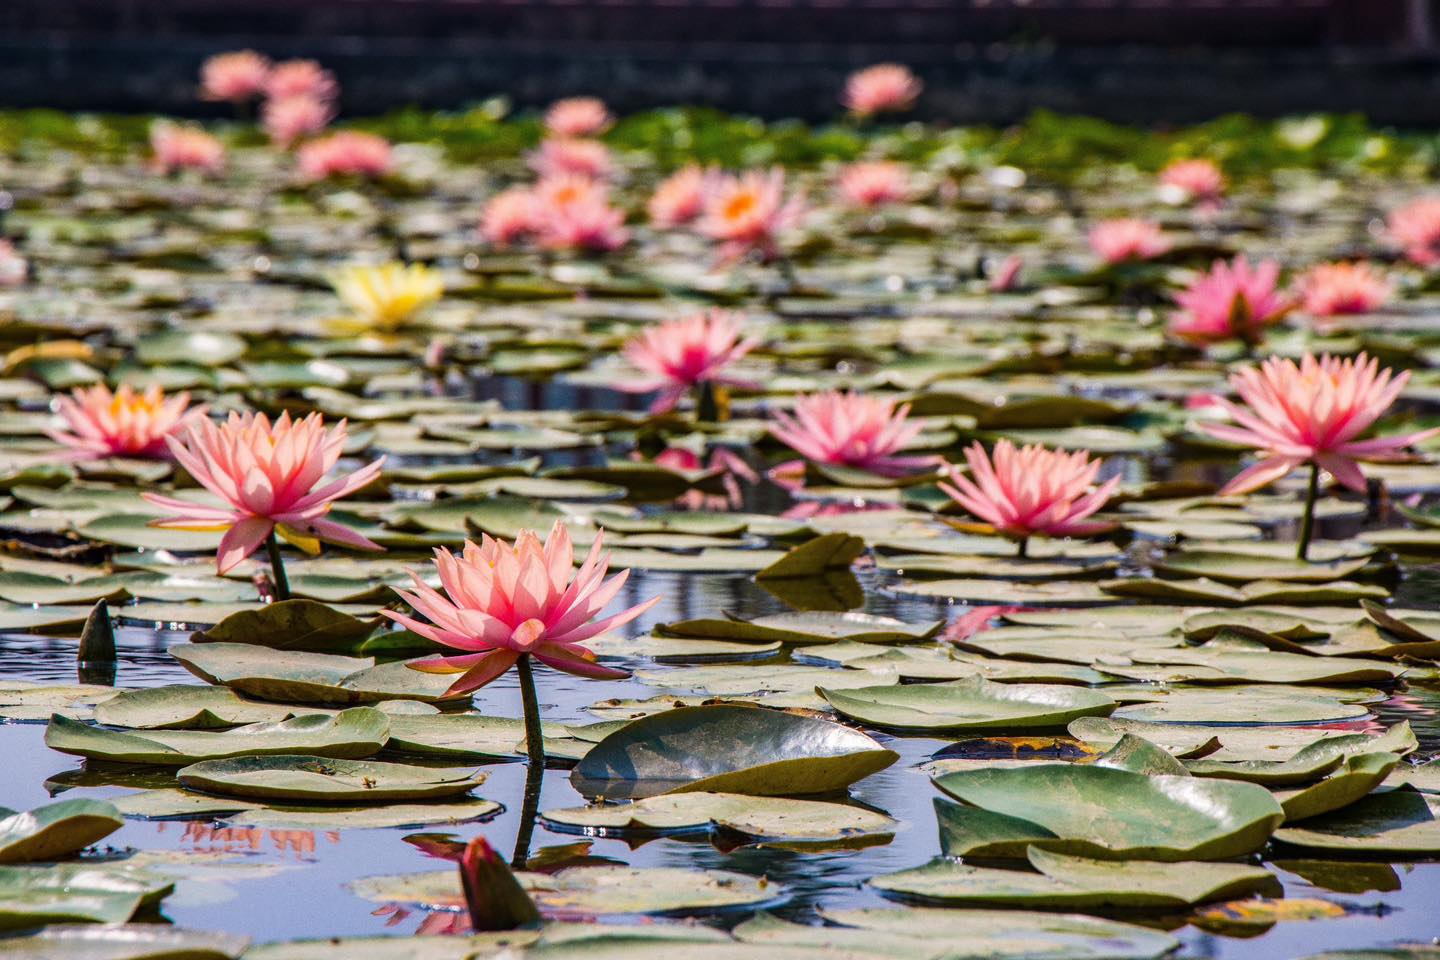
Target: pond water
x,y
294,882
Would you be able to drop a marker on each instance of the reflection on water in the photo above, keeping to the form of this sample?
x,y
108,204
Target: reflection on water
x,y
302,892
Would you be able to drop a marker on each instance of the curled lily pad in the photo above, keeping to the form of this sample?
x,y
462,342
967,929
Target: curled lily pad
x,y
354,733
291,625
1078,883
812,558
32,896
588,891
1309,763
322,780
1347,784
1167,817
185,707
728,749
1397,823
750,817
806,628
1234,743
970,704
293,676
55,830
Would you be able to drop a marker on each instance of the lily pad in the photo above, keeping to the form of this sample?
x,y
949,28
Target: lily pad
x,y
754,818
349,734
32,896
310,779
1397,823
291,625
728,749
139,941
805,628
293,676
1167,817
1353,780
1078,883
591,891
55,830
185,707
972,704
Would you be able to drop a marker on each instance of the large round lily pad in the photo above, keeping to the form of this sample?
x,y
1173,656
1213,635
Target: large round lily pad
x,y
1166,817
750,817
350,734
1079,883
592,890
309,779
970,704
184,706
728,749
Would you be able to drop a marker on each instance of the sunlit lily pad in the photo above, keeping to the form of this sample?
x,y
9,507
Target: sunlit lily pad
x,y
66,893
351,734
968,705
293,676
588,891
1078,883
1168,817
1347,784
1397,823
140,941
322,780
805,628
55,830
728,749
185,707
753,818
291,625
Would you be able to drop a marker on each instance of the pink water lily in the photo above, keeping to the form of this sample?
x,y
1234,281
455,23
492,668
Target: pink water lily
x,y
677,355
852,430
749,213
872,184
177,148
1232,301
236,76
578,117
1030,490
502,602
124,423
1312,413
1337,289
881,88
1196,180
1126,239
1415,228
348,153
269,476
301,78
680,198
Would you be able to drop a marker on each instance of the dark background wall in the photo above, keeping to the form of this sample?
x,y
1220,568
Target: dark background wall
x,y
983,60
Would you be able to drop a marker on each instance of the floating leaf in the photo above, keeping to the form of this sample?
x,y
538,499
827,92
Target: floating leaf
x,y
728,749
291,625
322,780
55,830
968,705
350,734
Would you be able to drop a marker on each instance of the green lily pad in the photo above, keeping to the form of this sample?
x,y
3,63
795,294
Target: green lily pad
x,y
1167,817
754,818
728,749
1270,744
1308,764
591,891
968,705
55,830
805,627
322,780
293,676
1237,704
185,707
1353,780
138,941
813,557
1245,568
1078,883
32,896
291,625
1009,933
1397,823
349,734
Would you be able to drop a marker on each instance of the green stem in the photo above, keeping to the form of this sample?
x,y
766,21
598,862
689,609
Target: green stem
x,y
1023,550
529,812
277,568
534,741
1307,522
707,404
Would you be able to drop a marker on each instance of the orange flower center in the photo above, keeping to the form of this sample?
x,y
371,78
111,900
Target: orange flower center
x,y
740,205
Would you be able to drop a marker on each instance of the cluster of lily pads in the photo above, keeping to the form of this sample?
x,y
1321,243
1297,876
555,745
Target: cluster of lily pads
x,y
1151,720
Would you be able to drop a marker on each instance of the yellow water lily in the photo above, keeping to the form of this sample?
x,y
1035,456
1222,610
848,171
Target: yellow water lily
x,y
389,295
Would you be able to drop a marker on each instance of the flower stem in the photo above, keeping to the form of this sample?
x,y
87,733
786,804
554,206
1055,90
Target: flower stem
x,y
1307,522
707,405
1023,550
277,568
534,742
529,811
